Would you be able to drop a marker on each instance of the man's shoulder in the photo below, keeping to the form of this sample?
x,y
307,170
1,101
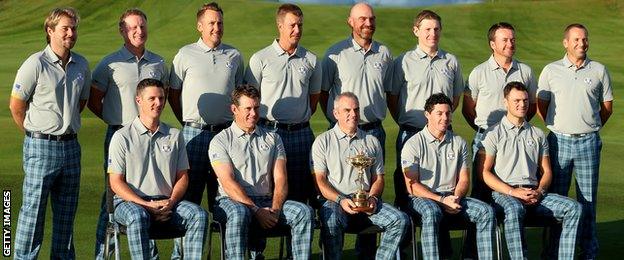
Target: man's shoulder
x,y
457,139
79,59
339,47
523,66
482,67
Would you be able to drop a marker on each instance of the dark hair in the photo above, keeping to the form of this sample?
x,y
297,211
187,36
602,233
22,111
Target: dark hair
x,y
287,8
427,14
574,25
436,99
514,85
495,27
209,6
145,83
129,12
247,90
54,17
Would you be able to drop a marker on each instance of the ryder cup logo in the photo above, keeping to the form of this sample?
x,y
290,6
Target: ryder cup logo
x,y
450,156
377,65
302,70
588,81
228,64
530,142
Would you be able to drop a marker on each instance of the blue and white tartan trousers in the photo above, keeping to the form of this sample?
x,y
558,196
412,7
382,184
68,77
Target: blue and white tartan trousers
x,y
583,156
52,168
185,215
298,145
238,219
473,210
561,208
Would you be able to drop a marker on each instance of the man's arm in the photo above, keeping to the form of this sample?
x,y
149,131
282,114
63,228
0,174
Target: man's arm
x,y
225,174
496,184
280,179
455,103
606,109
414,187
393,106
179,188
120,187
331,194
531,112
542,108
463,183
323,98
546,175
18,111
174,102
95,101
314,99
469,110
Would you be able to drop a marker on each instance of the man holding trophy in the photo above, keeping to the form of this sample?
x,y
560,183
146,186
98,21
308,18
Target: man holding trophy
x,y
348,169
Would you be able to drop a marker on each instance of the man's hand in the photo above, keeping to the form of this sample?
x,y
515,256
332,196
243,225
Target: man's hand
x,y
451,204
372,204
527,196
266,218
160,210
347,205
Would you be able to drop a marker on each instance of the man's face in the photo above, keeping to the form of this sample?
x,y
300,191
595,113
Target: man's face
x,y
439,118
428,33
134,31
210,25
64,34
576,43
151,102
517,103
246,114
504,43
362,22
290,28
347,113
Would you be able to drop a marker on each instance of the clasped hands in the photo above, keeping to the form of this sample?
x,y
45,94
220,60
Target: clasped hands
x,y
160,210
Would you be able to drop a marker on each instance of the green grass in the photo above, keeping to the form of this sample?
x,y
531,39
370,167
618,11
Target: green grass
x,y
250,26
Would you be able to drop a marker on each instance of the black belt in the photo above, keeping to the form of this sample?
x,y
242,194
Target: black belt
x,y
65,137
409,128
481,130
370,126
288,127
115,127
525,186
207,127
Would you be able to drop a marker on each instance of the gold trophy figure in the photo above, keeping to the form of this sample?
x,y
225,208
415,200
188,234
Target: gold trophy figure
x,y
361,162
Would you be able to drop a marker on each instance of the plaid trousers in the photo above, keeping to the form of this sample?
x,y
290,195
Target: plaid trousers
x,y
298,145
185,214
583,156
473,210
400,191
52,169
334,221
238,219
561,208
201,175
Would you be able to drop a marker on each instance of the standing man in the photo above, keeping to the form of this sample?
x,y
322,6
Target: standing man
x,y
362,66
575,101
417,75
250,164
147,172
336,180
50,90
113,89
203,76
289,79
435,162
517,169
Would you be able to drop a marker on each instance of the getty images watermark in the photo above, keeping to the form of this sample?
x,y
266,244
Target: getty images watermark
x,y
6,223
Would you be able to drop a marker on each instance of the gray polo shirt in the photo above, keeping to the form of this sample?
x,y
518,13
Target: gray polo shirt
x,y
575,95
329,156
117,76
149,162
207,77
252,157
347,67
517,151
53,94
438,163
486,83
285,82
417,76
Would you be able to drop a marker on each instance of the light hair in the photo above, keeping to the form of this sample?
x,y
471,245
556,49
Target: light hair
x,y
345,95
55,15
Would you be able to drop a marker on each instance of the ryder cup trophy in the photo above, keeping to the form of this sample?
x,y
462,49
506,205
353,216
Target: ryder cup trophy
x,y
361,162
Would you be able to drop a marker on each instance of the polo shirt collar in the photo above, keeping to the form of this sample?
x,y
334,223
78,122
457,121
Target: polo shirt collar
x,y
422,54
141,129
238,132
356,47
299,52
568,64
127,55
431,139
359,134
508,125
52,56
205,47
494,66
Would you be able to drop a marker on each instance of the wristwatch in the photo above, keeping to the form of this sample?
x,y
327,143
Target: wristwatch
x,y
254,209
339,198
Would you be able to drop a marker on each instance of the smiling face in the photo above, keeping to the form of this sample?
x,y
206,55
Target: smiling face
x,y
362,21
439,119
428,33
210,25
347,113
151,101
64,34
504,43
134,31
576,43
290,29
517,103
246,113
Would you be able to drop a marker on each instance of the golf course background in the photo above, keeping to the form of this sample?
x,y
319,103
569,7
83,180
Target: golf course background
x,y
250,26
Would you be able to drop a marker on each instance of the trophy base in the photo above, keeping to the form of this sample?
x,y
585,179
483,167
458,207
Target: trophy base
x,y
362,209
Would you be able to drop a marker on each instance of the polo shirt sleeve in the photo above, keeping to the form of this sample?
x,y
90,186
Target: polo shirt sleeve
x,y
318,158
240,71
253,74
489,143
100,76
472,85
218,151
544,149
26,79
316,79
463,155
398,76
607,91
280,152
86,86
177,73
532,86
378,167
183,163
410,156
543,90
117,151
329,71
458,80
164,74
387,80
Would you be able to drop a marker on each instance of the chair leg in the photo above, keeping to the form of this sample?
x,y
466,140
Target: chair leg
x,y
499,247
281,248
209,241
222,236
414,242
106,252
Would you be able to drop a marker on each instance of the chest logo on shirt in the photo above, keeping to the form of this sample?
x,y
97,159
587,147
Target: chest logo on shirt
x,y
166,148
405,163
264,147
80,77
530,142
17,87
214,155
377,65
152,74
302,70
588,81
450,156
228,64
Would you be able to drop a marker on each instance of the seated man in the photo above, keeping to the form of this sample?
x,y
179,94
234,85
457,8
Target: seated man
x,y
435,164
147,166
336,180
250,164
515,153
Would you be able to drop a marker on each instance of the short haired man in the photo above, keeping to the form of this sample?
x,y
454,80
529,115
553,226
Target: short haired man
x,y
250,164
203,76
289,79
435,163
417,75
336,180
113,88
517,168
50,90
147,171
575,99
362,66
